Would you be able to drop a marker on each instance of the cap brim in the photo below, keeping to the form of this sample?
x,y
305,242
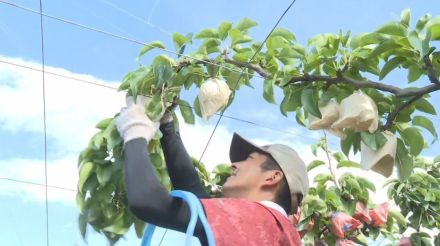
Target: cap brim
x,y
241,148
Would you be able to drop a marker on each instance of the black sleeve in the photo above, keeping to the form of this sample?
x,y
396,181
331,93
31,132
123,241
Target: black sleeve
x,y
180,168
147,197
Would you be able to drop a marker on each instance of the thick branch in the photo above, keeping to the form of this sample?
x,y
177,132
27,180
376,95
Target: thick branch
x,y
406,92
339,79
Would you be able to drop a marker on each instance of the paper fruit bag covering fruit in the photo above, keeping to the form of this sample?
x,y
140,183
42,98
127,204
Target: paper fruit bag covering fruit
x,y
358,112
329,113
213,95
382,160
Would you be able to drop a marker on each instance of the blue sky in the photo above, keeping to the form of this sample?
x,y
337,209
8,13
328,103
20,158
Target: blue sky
x,y
73,108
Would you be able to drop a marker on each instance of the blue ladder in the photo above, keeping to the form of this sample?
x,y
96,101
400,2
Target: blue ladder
x,y
197,212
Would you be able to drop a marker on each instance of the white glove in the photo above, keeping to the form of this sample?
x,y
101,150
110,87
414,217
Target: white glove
x,y
132,121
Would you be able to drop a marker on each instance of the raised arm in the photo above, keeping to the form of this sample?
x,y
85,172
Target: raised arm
x,y
180,168
147,197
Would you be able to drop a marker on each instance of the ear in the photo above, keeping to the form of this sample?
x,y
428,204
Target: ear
x,y
273,177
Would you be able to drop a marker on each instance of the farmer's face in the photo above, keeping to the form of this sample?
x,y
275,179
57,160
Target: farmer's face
x,y
247,176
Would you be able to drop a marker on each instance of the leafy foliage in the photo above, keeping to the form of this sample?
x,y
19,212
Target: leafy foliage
x,y
329,67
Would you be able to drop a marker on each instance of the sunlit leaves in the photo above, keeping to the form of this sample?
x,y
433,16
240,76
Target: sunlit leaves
x,y
150,46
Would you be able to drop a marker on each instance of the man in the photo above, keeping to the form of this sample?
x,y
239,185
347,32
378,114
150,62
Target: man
x,y
267,184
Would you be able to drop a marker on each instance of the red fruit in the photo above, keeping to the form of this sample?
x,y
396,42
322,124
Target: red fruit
x,y
361,213
379,214
341,222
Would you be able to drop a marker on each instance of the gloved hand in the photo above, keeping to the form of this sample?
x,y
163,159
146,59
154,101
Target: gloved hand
x,y
168,115
133,123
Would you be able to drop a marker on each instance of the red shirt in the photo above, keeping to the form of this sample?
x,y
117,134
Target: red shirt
x,y
244,222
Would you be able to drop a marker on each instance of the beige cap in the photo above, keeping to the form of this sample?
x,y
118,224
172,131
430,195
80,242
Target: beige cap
x,y
291,164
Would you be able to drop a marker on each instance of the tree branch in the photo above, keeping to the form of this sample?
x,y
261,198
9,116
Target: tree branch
x,y
340,78
392,115
253,67
430,69
406,92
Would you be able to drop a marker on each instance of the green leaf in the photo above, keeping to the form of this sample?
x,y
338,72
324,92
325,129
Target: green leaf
x,y
390,65
84,172
422,22
347,163
268,93
162,72
373,140
404,161
286,34
392,28
197,109
245,24
383,47
238,37
425,123
291,100
309,99
104,174
415,41
223,30
322,178
207,33
276,42
414,73
139,227
365,183
186,111
314,204
405,17
82,224
155,108
150,46
435,32
339,156
352,139
103,123
425,106
414,139
313,164
179,41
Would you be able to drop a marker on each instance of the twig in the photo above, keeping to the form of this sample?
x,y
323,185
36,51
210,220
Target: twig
x,y
254,67
393,114
330,167
430,69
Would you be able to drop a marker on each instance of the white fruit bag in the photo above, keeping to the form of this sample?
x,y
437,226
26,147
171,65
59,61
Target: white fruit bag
x,y
382,160
358,112
213,95
329,113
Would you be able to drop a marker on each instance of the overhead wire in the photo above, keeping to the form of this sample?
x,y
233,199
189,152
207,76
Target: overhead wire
x,y
43,62
90,28
241,75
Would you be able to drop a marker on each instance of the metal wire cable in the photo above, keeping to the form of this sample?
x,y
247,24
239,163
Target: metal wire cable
x,y
37,184
115,88
241,75
44,120
123,37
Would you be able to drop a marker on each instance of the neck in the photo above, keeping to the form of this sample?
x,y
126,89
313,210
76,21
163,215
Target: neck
x,y
253,195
